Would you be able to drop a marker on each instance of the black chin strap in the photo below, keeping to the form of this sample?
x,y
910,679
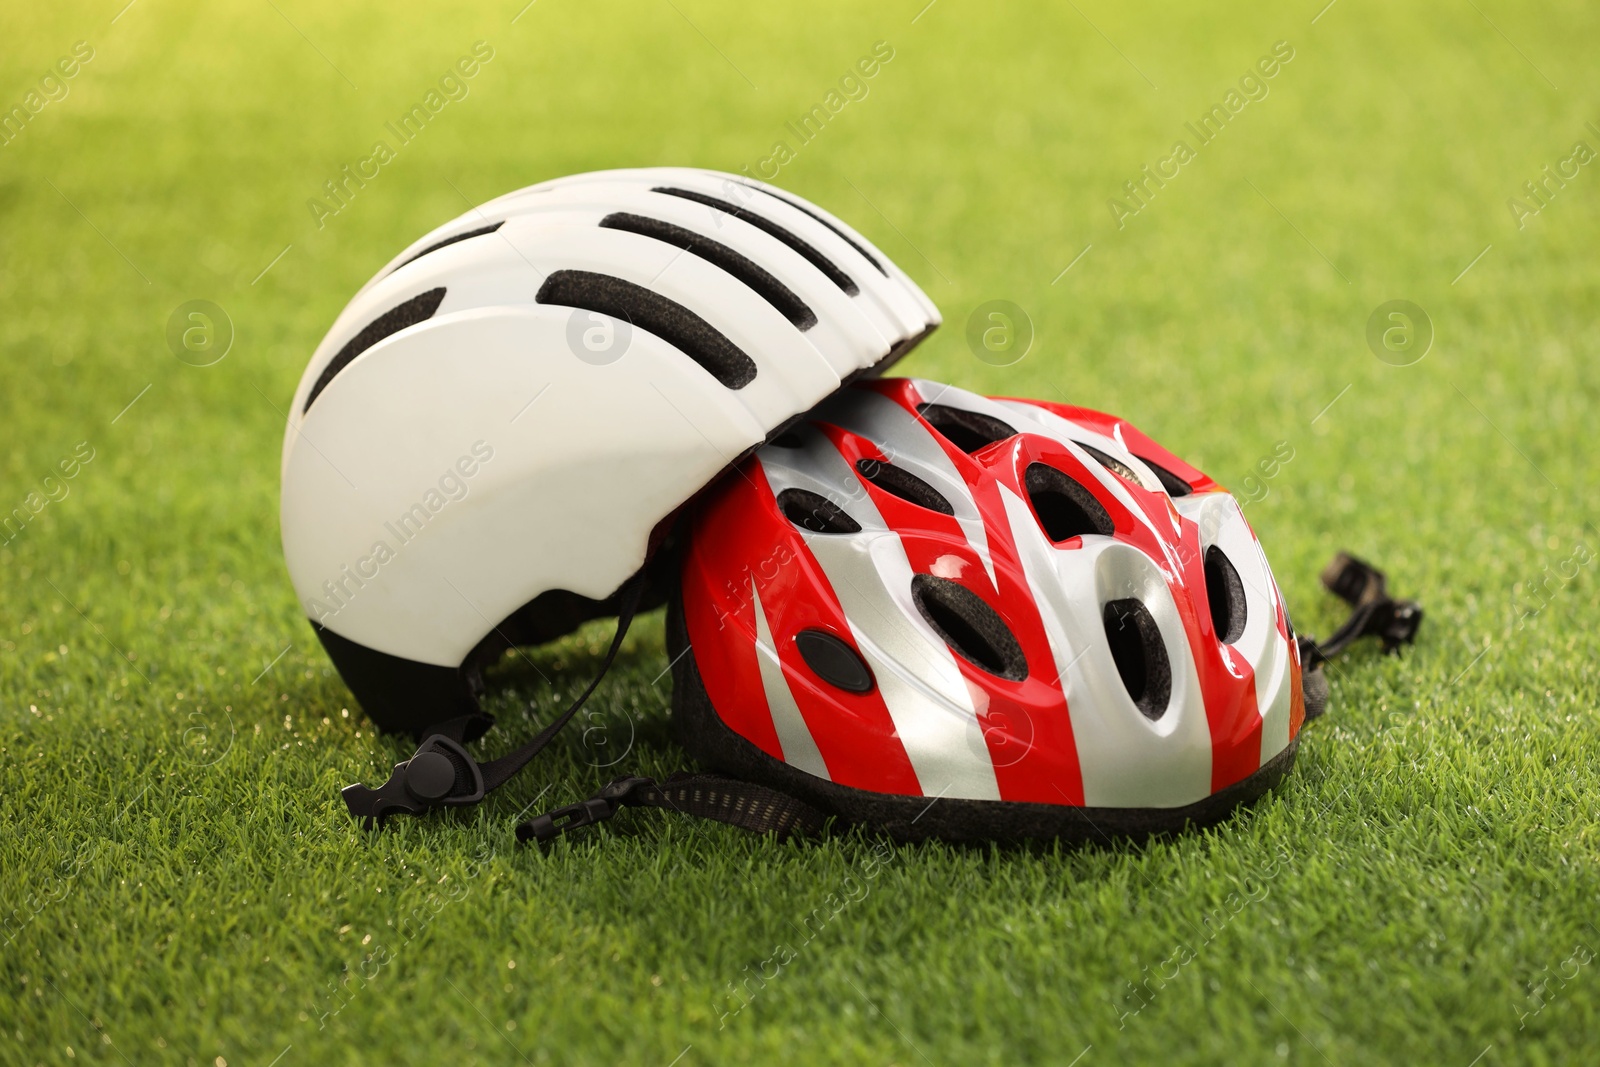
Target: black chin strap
x,y
442,773
1372,613
710,796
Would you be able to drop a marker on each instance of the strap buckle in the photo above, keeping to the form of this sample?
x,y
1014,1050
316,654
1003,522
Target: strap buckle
x,y
1373,612
431,778
598,808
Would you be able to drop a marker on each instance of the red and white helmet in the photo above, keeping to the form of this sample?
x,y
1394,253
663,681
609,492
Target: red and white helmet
x,y
976,618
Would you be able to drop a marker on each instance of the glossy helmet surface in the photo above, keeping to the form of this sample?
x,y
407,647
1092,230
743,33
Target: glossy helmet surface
x,y
969,617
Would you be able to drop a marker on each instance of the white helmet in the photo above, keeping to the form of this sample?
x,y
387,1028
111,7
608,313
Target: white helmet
x,y
490,440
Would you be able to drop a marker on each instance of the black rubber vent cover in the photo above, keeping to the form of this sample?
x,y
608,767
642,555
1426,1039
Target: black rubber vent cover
x,y
897,481
1174,485
418,309
1140,655
742,267
1112,464
1064,507
448,241
650,311
817,259
834,661
814,512
972,629
846,238
967,430
1226,593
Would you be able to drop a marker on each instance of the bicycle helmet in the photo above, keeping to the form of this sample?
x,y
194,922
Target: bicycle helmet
x,y
492,438
947,615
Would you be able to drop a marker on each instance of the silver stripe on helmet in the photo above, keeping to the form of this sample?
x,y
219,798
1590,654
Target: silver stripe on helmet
x,y
908,443
1222,524
1126,759
794,736
923,688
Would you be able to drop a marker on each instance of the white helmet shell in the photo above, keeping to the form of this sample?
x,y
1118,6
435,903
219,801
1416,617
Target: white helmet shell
x,y
500,420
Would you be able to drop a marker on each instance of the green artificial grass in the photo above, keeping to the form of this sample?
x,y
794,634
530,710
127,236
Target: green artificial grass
x,y
182,883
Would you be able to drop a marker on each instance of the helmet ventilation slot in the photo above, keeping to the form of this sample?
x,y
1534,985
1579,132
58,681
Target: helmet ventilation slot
x,y
834,661
967,430
814,512
650,311
1065,508
1140,656
745,269
897,481
1112,464
846,238
448,241
1174,485
419,308
1226,593
972,629
816,259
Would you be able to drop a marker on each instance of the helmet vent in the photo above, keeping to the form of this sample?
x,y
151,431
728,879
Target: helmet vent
x,y
817,259
746,270
418,309
972,629
1174,485
1140,656
814,512
834,661
1112,464
1065,508
967,430
897,481
448,241
648,310
1226,593
846,238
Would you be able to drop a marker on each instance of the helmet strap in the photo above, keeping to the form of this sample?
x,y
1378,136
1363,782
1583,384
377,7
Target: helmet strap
x,y
749,806
441,773
1372,613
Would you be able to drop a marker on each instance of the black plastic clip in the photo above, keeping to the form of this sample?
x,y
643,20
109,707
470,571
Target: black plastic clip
x,y
1374,613
598,808
432,777
1396,623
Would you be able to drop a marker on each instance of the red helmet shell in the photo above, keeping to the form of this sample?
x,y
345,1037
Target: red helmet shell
x,y
924,592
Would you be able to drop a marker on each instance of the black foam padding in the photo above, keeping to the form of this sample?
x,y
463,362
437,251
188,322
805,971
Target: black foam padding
x,y
846,238
897,481
834,661
915,818
969,431
650,311
815,512
972,629
448,241
1314,687
1225,593
1140,655
816,258
1174,485
418,309
747,270
1112,464
1065,508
